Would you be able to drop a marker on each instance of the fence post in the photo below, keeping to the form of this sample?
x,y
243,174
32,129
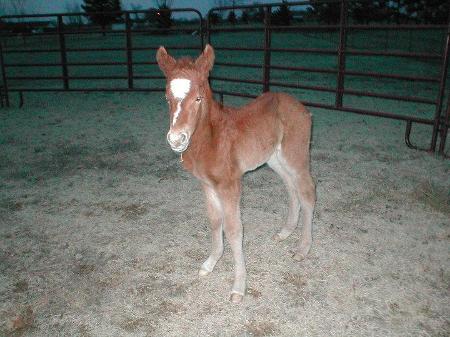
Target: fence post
x,y
63,51
208,27
444,128
341,54
129,50
5,83
267,45
440,97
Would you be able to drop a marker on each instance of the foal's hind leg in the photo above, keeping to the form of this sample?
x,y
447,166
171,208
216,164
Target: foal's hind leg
x,y
294,205
295,157
307,197
215,214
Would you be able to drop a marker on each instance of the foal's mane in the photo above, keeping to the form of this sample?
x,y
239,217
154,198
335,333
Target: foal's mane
x,y
185,63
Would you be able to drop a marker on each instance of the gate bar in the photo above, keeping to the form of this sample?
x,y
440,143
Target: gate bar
x,y
341,54
4,78
63,51
267,45
129,47
440,97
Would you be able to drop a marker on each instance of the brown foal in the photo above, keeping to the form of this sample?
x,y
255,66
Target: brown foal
x,y
219,144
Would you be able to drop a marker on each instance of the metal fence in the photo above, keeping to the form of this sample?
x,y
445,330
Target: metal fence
x,y
62,31
439,123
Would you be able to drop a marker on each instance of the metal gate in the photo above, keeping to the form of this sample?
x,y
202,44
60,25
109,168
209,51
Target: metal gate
x,y
340,52
59,68
133,68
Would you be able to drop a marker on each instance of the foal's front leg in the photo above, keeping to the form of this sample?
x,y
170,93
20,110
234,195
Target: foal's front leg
x,y
229,195
215,214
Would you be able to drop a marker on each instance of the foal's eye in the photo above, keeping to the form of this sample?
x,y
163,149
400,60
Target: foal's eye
x,y
198,99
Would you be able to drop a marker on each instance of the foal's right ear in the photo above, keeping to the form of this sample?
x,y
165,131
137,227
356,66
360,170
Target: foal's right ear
x,y
165,61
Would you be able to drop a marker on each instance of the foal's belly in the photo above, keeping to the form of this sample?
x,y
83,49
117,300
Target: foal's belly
x,y
256,145
256,153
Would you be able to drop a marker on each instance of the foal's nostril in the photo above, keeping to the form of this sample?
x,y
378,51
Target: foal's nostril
x,y
177,138
183,138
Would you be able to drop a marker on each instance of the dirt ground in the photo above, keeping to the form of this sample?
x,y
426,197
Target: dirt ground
x,y
102,233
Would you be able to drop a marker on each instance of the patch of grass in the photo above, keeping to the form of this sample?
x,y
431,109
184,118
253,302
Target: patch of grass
x,y
131,325
68,157
39,149
125,145
7,139
20,286
22,322
84,269
436,197
295,279
11,204
260,329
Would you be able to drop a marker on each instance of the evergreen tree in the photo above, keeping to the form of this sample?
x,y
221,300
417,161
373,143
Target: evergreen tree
x,y
364,11
99,11
245,17
326,12
427,11
231,17
215,18
282,16
258,15
160,17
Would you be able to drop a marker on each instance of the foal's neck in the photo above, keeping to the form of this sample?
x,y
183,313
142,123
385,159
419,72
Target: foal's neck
x,y
209,119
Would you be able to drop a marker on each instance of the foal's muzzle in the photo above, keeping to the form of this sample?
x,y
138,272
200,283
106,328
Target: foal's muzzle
x,y
178,141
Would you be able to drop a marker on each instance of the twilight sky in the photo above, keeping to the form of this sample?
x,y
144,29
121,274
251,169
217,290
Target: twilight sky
x,y
60,6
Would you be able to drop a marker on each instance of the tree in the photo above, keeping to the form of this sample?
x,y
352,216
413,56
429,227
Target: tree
x,y
161,16
215,18
99,11
283,15
364,11
427,11
232,17
397,9
245,17
326,12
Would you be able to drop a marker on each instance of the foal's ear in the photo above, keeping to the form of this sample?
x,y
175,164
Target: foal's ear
x,y
205,61
165,61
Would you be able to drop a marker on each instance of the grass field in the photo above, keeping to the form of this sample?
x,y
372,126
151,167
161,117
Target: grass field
x,y
102,232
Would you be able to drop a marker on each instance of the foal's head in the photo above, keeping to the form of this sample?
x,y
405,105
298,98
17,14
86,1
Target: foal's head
x,y
186,89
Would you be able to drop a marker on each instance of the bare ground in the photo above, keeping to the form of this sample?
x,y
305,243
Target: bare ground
x,y
102,233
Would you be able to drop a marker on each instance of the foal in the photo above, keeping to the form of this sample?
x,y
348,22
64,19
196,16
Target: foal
x,y
219,144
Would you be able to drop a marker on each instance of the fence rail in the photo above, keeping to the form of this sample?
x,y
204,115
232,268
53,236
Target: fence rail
x,y
439,122
269,51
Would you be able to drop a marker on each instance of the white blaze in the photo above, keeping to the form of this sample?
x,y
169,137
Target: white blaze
x,y
177,112
180,88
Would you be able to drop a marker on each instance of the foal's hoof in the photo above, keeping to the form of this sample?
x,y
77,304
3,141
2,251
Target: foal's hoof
x,y
280,236
236,298
203,272
298,256
276,238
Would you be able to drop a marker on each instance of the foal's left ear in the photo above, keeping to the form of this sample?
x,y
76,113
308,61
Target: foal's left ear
x,y
205,61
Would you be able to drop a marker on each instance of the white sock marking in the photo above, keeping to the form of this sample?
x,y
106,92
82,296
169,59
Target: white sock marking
x,y
180,88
